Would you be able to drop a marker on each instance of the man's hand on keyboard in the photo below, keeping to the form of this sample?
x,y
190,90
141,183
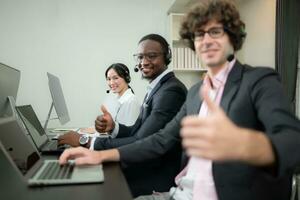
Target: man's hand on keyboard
x,y
83,156
70,138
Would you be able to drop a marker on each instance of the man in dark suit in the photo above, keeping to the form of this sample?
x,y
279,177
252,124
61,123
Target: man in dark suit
x,y
165,96
240,136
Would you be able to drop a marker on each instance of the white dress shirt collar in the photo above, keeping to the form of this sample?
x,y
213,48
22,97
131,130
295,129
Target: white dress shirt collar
x,y
157,79
125,96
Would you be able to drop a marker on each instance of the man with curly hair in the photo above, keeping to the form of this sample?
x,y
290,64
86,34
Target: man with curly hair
x,y
241,139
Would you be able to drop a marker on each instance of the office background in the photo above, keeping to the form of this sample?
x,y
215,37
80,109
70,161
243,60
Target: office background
x,y
77,40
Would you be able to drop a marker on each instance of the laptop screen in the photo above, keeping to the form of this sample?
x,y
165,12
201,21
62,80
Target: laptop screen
x,y
32,124
17,144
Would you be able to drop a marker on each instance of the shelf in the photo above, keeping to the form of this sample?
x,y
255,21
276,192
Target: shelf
x,y
179,43
181,6
185,58
175,24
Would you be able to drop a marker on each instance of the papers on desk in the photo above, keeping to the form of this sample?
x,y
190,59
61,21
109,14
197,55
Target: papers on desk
x,y
56,132
60,131
91,132
88,130
64,129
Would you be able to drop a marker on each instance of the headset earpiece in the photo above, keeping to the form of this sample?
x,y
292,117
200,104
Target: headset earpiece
x,y
127,76
125,72
168,56
127,79
243,32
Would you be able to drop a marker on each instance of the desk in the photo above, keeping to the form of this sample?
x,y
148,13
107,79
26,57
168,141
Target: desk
x,y
113,188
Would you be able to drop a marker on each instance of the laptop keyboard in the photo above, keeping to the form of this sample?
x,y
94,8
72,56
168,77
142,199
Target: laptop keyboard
x,y
54,170
52,145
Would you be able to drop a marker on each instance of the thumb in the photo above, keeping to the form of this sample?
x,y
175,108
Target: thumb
x,y
104,110
212,106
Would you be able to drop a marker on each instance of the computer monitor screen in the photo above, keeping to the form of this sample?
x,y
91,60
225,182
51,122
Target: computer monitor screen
x,y
9,84
58,98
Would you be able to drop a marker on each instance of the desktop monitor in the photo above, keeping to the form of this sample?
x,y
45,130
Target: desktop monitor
x,y
58,100
9,84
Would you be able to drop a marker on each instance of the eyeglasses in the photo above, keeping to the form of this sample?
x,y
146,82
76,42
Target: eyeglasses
x,y
215,32
151,56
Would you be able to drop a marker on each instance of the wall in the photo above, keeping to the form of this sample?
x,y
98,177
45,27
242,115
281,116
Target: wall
x,y
259,47
75,40
259,17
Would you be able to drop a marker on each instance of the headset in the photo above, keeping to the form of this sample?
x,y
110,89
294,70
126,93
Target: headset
x,y
163,43
166,49
168,56
122,70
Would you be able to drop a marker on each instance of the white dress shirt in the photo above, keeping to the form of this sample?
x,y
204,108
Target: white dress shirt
x,y
124,109
150,87
127,109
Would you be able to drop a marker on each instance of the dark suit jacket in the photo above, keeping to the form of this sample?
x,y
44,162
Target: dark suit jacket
x,y
162,104
252,98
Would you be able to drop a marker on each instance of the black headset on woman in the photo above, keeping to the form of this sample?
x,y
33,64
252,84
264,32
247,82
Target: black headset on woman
x,y
122,70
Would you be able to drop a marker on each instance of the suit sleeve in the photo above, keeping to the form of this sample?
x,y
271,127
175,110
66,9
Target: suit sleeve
x,y
281,126
165,105
155,145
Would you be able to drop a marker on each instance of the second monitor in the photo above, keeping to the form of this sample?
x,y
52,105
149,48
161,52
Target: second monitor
x,y
58,100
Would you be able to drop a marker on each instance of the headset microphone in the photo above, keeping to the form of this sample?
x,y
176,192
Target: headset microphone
x,y
136,67
230,57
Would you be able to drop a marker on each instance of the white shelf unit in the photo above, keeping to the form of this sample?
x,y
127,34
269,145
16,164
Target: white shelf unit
x,y
185,63
183,57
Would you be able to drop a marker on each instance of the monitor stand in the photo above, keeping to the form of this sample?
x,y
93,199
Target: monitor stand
x,y
10,109
55,131
48,116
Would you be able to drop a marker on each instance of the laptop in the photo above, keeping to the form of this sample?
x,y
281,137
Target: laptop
x,y
44,144
26,160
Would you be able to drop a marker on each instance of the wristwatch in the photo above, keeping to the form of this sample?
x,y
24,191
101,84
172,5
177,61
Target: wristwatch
x,y
84,140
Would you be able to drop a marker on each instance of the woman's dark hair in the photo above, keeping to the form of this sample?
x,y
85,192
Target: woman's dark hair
x,y
122,70
223,11
163,43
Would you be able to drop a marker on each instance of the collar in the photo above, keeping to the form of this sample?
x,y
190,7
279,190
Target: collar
x,y
220,78
157,79
126,95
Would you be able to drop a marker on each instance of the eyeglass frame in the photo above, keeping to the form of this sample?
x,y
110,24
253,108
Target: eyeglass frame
x,y
209,32
153,56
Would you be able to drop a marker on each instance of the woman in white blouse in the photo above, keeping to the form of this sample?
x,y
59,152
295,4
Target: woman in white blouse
x,y
121,103
123,106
